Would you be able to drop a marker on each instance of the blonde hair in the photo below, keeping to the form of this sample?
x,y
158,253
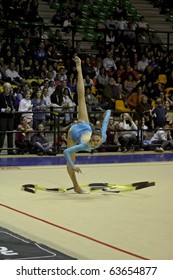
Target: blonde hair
x,y
7,85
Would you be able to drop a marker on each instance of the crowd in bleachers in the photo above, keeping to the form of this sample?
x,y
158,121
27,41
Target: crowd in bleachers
x,y
131,74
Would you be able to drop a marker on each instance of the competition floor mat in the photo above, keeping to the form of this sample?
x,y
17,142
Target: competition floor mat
x,y
17,247
100,225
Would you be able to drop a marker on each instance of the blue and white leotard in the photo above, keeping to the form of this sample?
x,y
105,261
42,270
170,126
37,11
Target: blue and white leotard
x,y
77,132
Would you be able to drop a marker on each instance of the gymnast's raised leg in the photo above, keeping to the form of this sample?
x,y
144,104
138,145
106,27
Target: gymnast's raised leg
x,y
82,116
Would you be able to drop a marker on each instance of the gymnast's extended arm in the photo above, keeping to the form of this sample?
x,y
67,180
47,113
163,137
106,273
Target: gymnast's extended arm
x,y
74,149
105,125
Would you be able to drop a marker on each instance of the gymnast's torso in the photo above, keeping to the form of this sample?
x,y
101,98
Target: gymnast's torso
x,y
80,132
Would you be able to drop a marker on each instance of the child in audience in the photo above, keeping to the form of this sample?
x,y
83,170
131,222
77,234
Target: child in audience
x,y
22,139
40,142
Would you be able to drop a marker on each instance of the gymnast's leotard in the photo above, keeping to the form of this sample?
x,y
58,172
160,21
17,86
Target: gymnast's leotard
x,y
78,132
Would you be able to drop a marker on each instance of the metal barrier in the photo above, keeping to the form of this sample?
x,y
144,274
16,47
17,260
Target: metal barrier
x,y
48,29
55,129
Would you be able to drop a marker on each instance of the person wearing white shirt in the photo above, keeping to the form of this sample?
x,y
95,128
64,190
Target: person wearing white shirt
x,y
51,69
142,64
51,88
111,23
109,63
12,73
110,37
127,135
142,24
163,138
67,25
68,105
122,24
26,106
88,81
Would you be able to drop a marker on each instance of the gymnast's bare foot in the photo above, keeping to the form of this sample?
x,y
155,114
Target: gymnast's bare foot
x,y
79,190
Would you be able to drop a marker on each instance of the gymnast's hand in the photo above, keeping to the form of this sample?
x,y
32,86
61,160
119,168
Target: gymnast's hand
x,y
77,169
78,63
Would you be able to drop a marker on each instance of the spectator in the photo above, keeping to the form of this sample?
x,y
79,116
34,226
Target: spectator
x,y
22,139
143,110
102,79
122,24
26,107
20,94
51,88
125,74
61,143
155,40
7,106
129,85
2,77
169,113
143,40
129,33
142,25
71,84
87,68
42,72
68,106
62,72
150,74
58,81
111,132
153,63
119,85
109,64
135,98
40,52
120,70
157,89
143,82
142,133
67,25
39,108
121,10
55,97
48,103
40,142
88,82
127,132
12,75
57,18
110,37
159,114
111,23
142,64
110,94
162,139
91,101
28,69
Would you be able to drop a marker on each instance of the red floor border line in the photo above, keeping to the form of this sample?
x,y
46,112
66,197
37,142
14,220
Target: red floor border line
x,y
74,232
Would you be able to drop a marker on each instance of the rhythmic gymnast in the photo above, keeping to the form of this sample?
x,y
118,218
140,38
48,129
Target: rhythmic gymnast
x,y
80,135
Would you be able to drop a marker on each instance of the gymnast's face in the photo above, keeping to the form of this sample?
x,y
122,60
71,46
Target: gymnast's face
x,y
95,140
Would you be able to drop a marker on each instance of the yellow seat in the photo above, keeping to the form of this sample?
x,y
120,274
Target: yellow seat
x,y
93,90
153,103
119,105
167,91
31,80
162,79
40,81
14,86
138,76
